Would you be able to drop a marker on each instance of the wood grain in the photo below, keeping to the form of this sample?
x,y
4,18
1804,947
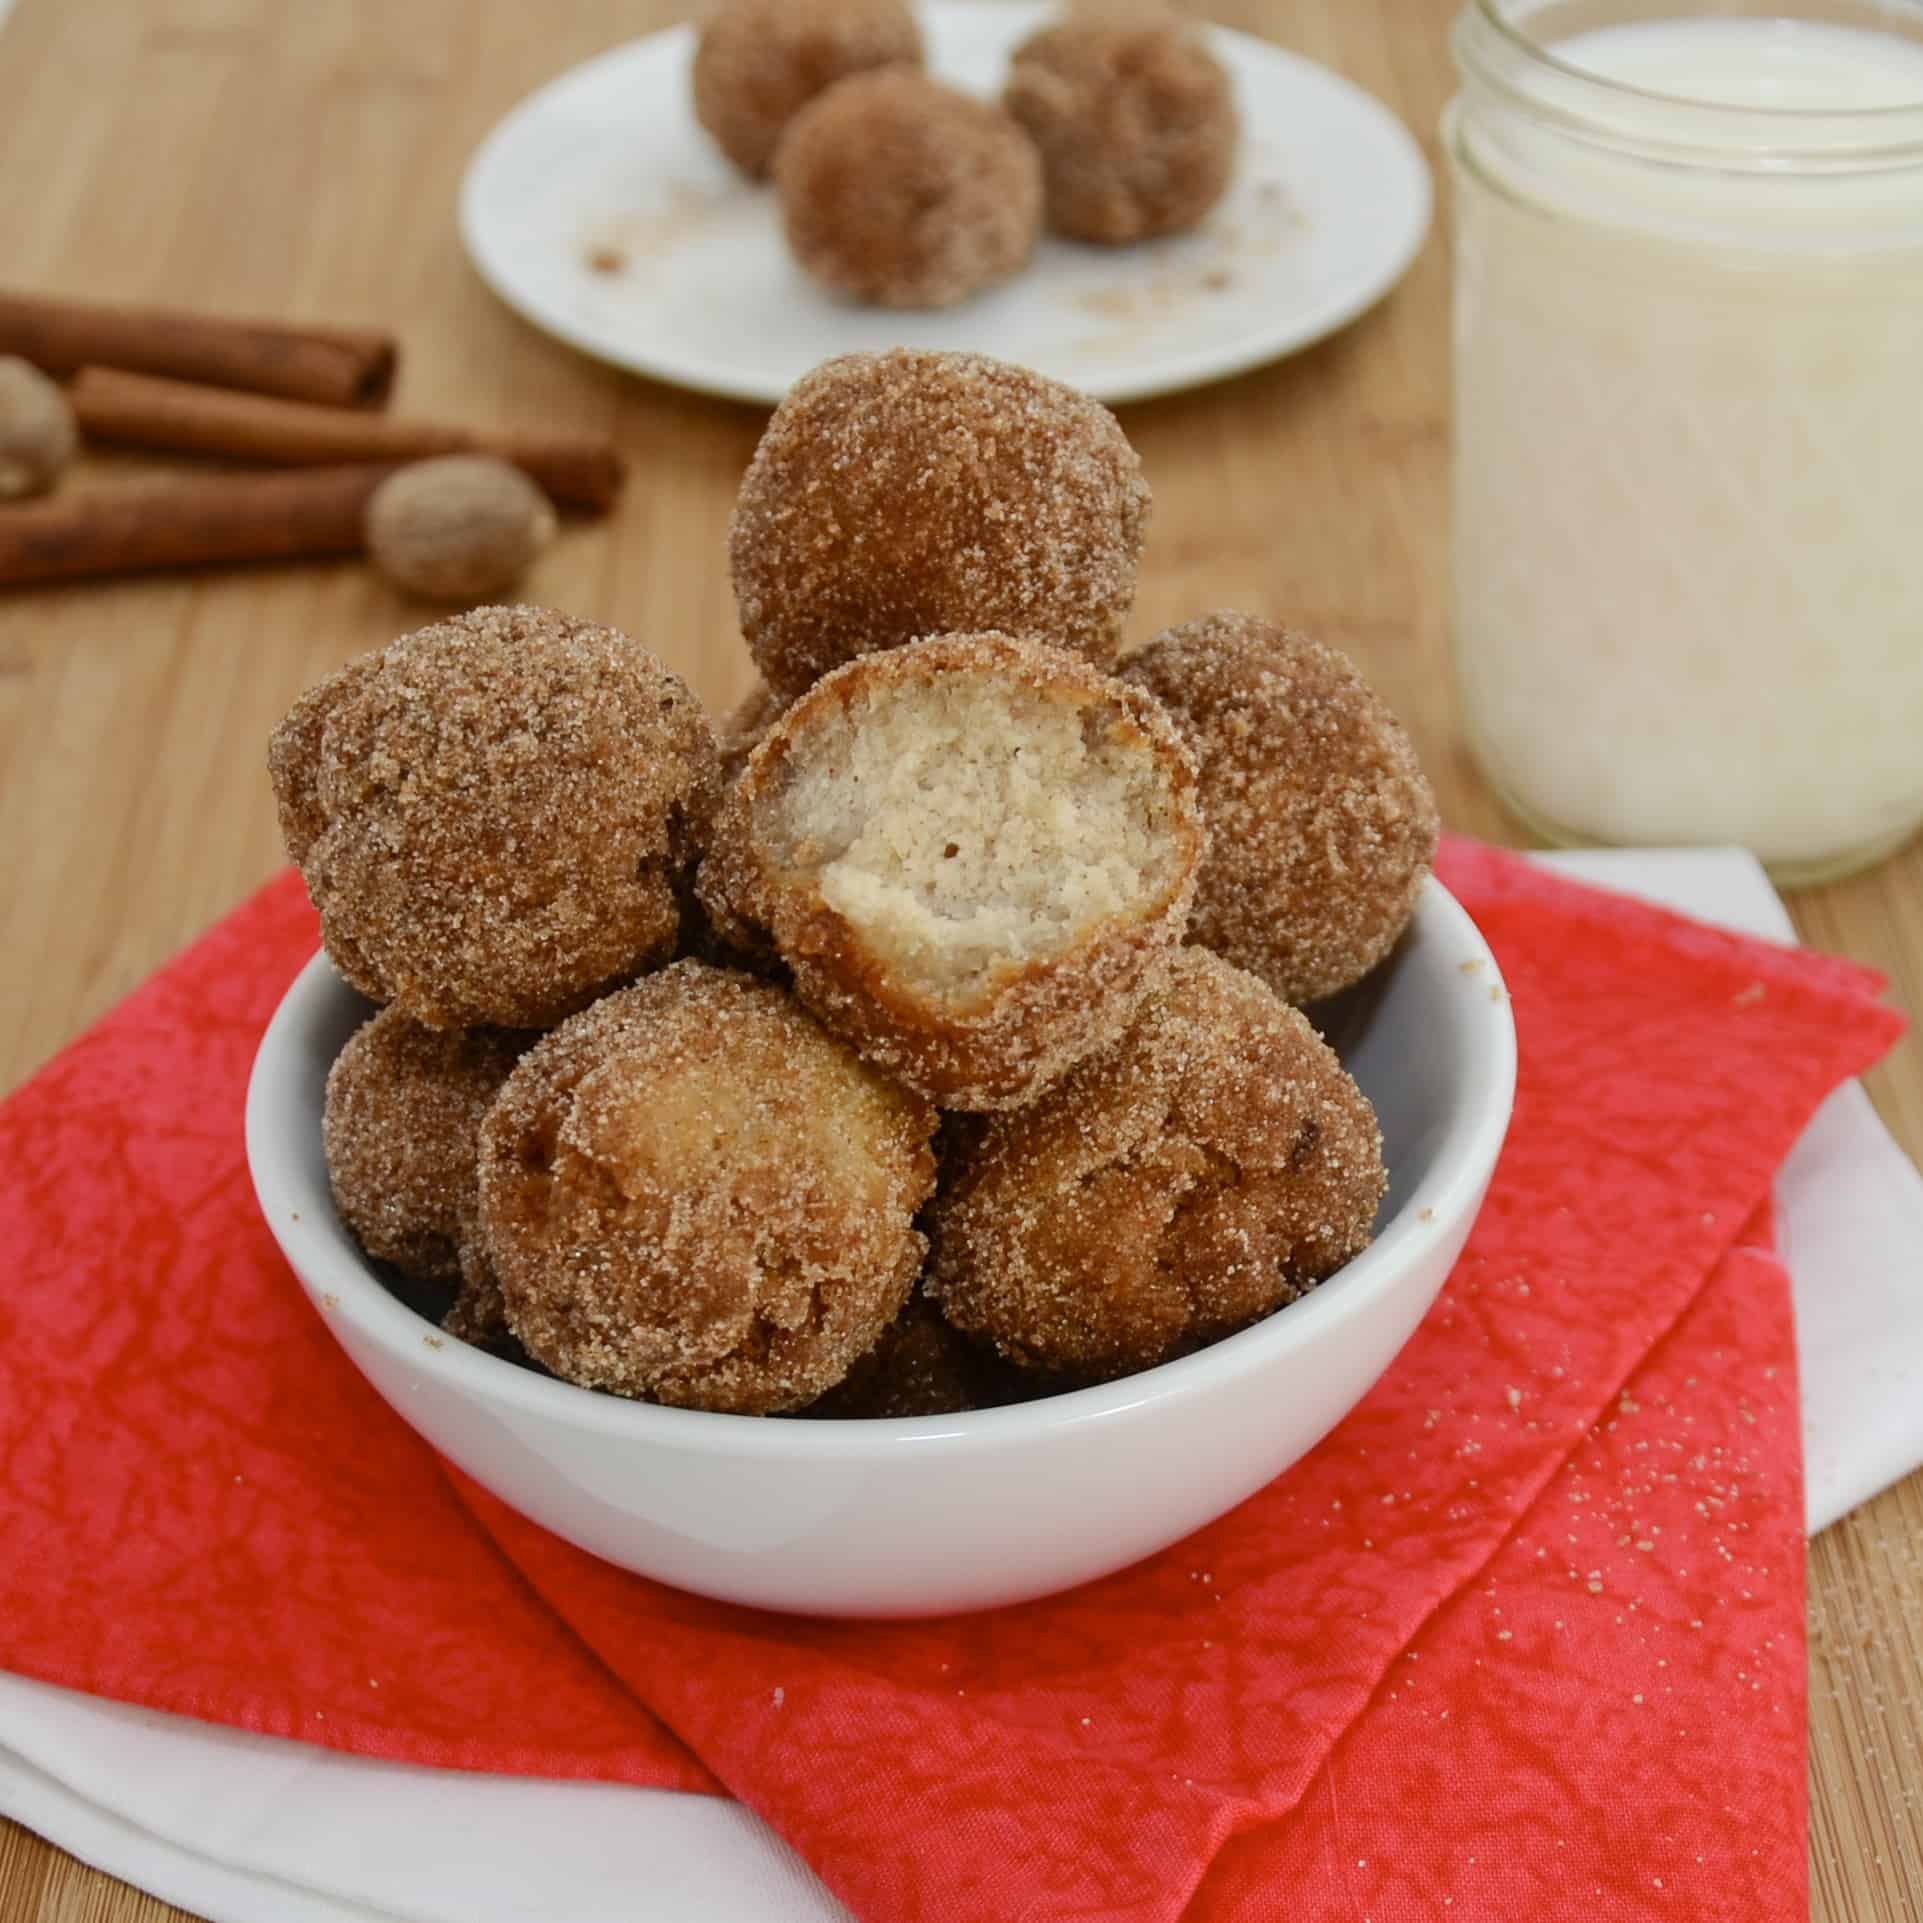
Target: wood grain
x,y
265,156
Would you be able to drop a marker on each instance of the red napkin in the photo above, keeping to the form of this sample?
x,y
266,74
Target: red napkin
x,y
1525,1630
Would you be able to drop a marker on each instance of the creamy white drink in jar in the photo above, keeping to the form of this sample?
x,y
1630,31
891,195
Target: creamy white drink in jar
x,y
1689,418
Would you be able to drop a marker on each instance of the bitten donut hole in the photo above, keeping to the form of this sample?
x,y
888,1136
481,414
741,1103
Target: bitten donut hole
x,y
969,825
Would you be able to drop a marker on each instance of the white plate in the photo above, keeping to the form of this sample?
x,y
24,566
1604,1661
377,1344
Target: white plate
x,y
1330,203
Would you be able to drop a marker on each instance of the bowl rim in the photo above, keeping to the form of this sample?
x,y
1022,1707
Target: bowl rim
x,y
1452,1189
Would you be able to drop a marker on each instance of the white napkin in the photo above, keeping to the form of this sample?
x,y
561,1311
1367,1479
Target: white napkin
x,y
1849,1218
251,1829
248,1829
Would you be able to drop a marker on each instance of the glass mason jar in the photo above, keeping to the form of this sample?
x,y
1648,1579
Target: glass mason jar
x,y
1689,420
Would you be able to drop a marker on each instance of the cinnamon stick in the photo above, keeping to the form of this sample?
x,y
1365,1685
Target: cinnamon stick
x,y
188,523
181,417
337,366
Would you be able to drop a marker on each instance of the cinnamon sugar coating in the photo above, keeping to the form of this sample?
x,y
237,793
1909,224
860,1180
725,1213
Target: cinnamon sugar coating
x,y
758,62
400,1130
1135,121
294,758
709,934
900,192
1211,1167
976,855
907,494
497,816
1323,822
690,1192
738,733
921,1366
477,1314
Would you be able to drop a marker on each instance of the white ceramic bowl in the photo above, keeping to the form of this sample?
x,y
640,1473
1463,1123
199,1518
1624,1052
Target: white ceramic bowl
x,y
934,1513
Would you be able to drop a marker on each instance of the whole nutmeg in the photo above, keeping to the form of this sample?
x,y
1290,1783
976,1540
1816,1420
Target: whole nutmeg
x,y
37,433
462,527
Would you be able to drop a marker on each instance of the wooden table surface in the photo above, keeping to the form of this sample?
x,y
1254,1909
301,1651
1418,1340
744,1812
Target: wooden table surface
x,y
299,160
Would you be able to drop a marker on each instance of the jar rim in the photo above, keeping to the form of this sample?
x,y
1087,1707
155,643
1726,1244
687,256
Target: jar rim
x,y
1493,48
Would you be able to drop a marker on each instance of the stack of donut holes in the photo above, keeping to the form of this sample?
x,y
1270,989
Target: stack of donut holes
x,y
1116,125
926,1035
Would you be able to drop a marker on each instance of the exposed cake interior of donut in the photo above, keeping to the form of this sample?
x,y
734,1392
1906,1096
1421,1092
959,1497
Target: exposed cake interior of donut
x,y
968,823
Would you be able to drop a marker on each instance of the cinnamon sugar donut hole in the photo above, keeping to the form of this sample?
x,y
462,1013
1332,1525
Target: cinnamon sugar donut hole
x,y
907,494
975,854
1324,824
921,1366
400,1129
497,816
722,939
738,733
690,1192
477,1315
759,62
1135,121
1212,1166
900,192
